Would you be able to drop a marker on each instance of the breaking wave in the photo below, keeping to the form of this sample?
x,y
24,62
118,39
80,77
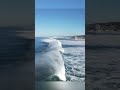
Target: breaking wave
x,y
49,63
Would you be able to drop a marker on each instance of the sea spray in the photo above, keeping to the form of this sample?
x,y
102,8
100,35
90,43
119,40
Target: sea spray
x,y
50,63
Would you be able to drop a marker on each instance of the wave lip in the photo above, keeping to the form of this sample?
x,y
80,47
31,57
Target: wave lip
x,y
54,44
51,62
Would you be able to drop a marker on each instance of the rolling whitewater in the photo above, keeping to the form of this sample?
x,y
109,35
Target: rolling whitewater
x,y
59,59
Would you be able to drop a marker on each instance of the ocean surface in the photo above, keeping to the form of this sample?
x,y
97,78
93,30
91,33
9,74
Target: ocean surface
x,y
70,53
103,61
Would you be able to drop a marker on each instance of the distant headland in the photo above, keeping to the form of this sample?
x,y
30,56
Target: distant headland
x,y
108,26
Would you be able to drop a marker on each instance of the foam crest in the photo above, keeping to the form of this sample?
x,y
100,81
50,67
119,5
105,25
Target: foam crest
x,y
54,44
51,62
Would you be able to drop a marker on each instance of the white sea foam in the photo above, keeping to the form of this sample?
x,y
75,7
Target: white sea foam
x,y
74,58
51,62
54,44
50,58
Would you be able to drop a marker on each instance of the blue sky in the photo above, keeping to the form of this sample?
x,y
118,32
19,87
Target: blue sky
x,y
59,4
103,11
62,18
16,13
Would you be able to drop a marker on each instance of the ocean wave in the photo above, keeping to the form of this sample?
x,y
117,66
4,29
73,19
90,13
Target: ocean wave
x,y
57,60
50,63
